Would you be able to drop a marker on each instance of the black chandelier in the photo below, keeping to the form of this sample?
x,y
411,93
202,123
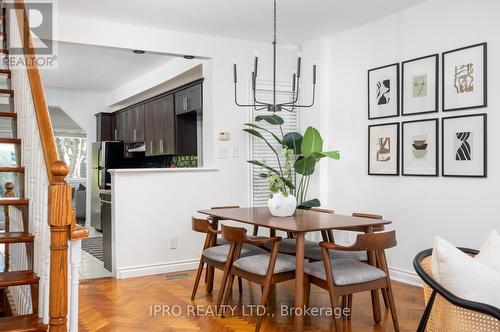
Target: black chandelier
x,y
274,107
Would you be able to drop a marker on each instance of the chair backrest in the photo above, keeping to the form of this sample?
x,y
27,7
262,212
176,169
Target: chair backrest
x,y
376,241
224,207
234,234
367,215
201,225
323,210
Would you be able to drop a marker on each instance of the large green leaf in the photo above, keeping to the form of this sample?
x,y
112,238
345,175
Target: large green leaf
x,y
287,182
305,165
254,132
293,141
270,132
271,119
329,154
309,204
312,142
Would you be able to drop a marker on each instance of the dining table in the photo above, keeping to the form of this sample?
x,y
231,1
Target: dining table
x,y
299,224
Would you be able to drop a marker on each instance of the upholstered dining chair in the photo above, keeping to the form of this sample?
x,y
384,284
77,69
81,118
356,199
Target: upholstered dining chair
x,y
221,241
348,276
219,257
265,269
314,253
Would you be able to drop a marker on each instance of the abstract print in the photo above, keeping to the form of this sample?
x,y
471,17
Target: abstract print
x,y
464,150
383,92
464,78
420,86
384,149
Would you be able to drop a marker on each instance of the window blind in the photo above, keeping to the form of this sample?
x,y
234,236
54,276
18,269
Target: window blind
x,y
259,149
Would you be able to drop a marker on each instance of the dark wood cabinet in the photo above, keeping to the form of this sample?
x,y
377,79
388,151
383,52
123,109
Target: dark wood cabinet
x,y
122,126
136,130
188,100
160,126
105,127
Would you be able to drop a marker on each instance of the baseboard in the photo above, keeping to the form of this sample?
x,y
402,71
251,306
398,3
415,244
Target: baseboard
x,y
151,269
405,276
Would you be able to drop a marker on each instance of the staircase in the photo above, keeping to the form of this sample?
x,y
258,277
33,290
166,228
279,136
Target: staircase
x,y
40,224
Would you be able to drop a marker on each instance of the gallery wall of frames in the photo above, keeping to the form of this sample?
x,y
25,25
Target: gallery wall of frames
x,y
426,144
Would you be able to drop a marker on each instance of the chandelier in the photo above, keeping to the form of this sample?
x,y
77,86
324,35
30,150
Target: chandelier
x,y
275,107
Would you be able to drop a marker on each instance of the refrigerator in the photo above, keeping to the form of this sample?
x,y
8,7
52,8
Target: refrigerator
x,y
105,156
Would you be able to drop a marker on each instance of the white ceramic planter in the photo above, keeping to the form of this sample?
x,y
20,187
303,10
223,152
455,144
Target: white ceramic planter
x,y
281,206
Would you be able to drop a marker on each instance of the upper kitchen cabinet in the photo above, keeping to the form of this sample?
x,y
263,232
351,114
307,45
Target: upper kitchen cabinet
x,y
188,100
160,126
122,126
137,119
105,127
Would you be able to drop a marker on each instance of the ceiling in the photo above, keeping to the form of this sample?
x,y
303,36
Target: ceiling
x,y
298,20
96,68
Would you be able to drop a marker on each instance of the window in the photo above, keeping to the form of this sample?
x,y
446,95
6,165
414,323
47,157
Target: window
x,y
259,149
73,151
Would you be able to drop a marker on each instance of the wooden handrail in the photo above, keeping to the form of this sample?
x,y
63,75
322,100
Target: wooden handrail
x,y
61,217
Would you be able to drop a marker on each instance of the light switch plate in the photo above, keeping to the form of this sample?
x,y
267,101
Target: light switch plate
x,y
173,243
224,153
236,152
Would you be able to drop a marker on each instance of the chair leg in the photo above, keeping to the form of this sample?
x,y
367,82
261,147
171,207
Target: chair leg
x,y
377,316
210,281
222,288
349,305
344,304
385,297
392,305
197,281
240,285
227,292
263,301
334,302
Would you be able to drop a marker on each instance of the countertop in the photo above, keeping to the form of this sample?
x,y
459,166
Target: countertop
x,y
161,170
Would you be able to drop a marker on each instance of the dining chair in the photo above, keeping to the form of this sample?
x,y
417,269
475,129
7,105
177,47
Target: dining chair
x,y
266,269
222,241
348,276
219,257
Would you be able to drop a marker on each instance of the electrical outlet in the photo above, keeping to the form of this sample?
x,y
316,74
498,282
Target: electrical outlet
x,y
173,243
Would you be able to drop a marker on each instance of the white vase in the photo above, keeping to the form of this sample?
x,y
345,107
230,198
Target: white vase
x,y
281,206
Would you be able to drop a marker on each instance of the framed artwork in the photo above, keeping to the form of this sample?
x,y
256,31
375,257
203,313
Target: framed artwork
x,y
383,92
420,145
420,87
383,149
464,146
465,78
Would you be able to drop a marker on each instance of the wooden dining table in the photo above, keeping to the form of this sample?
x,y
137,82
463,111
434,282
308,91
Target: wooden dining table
x,y
301,223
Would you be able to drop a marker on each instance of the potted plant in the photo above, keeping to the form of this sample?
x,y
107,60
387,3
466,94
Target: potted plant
x,y
297,156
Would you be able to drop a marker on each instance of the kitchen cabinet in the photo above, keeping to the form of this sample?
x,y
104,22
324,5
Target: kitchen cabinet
x,y
160,126
105,126
122,126
136,130
188,100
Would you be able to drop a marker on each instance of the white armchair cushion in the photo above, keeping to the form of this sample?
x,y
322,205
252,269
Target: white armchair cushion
x,y
490,251
463,275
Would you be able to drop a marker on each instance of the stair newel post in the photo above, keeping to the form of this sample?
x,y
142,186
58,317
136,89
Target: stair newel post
x,y
59,221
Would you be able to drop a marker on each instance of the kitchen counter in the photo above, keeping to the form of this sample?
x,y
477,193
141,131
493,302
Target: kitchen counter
x,y
157,170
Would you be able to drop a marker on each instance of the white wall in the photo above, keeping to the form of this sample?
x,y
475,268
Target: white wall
x,y
80,106
459,209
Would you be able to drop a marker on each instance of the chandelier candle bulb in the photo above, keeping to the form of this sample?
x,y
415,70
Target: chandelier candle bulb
x,y
299,59
256,63
234,73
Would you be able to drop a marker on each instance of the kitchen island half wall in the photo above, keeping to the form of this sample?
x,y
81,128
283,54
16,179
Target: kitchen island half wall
x,y
151,216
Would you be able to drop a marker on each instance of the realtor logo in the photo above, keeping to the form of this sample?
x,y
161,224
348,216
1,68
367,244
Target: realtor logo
x,y
38,17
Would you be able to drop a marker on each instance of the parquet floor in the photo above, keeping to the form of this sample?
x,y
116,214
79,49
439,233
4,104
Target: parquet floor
x,y
130,304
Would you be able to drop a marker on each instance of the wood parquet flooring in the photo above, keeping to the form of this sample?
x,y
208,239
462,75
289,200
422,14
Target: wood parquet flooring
x,y
127,305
